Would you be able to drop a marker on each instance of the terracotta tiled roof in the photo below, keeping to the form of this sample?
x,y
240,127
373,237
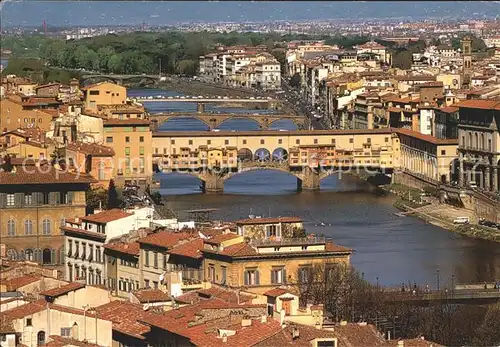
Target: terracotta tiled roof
x,y
93,149
238,250
131,248
45,176
38,306
15,283
65,289
480,104
449,109
125,317
307,334
252,221
107,216
412,343
6,326
132,121
424,137
191,249
331,247
165,239
151,295
59,341
276,292
356,335
70,230
223,294
218,239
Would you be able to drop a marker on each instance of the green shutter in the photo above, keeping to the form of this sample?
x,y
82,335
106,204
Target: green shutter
x,y
52,198
38,198
57,198
19,199
71,197
3,200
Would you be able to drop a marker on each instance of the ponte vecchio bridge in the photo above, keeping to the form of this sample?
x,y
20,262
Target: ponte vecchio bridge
x,y
310,156
213,120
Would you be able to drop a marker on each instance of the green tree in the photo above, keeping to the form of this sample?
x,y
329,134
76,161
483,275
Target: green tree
x,y
81,56
103,55
113,200
115,64
94,198
295,80
402,59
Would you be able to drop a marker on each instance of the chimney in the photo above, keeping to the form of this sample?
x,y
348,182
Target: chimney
x,y
224,338
343,323
263,318
77,220
246,322
401,343
295,333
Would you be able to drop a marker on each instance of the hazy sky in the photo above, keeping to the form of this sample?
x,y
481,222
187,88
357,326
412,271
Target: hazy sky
x,y
56,13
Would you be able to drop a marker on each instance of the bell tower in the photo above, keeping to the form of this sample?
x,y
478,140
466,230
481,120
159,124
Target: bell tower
x,y
466,58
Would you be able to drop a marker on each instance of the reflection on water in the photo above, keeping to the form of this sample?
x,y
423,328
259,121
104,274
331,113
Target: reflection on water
x,y
390,248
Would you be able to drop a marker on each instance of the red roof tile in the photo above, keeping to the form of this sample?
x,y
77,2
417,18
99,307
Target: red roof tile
x,y
191,249
70,230
238,250
480,104
65,289
93,149
251,221
412,343
131,248
45,175
151,295
449,109
107,216
59,341
424,137
218,239
275,292
15,283
125,317
165,239
223,294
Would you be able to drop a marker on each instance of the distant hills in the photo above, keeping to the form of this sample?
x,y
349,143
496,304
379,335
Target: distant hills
x,y
93,13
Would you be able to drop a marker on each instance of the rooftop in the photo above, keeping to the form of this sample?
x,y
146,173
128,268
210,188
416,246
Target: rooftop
x,y
151,295
254,221
14,284
480,104
93,149
43,176
130,248
125,317
428,138
166,239
106,216
62,290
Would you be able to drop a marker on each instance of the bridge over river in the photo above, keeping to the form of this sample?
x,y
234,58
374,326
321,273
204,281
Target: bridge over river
x,y
214,120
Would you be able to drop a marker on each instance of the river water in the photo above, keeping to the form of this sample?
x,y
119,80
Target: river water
x,y
388,248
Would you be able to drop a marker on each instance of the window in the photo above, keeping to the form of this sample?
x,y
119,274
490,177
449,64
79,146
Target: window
x,y
11,199
315,141
368,140
272,231
28,199
146,258
146,283
109,139
127,150
165,261
172,142
45,198
386,139
70,248
244,142
209,142
351,140
326,343
304,274
141,138
223,275
66,332
251,277
443,152
262,141
280,141
94,92
141,150
84,250
489,145
155,284
297,142
29,322
98,254
190,142
155,260
127,139
278,275
28,227
46,226
211,272
11,228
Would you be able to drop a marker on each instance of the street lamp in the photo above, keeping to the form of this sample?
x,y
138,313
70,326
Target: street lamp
x,y
437,275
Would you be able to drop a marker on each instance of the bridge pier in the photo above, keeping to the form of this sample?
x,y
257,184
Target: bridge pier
x,y
309,180
200,107
212,183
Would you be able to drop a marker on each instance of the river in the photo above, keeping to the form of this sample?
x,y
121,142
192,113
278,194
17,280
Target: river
x,y
388,248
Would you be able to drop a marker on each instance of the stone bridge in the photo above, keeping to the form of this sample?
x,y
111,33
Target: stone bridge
x,y
214,120
119,79
308,179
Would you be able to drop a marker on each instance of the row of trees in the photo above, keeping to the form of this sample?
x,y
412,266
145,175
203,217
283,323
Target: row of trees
x,y
347,296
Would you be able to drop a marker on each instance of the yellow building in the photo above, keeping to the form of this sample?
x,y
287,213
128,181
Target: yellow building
x,y
34,202
104,93
263,264
15,114
131,140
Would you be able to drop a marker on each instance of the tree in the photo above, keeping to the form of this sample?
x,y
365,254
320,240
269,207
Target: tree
x,y
103,56
295,80
402,59
488,333
95,198
113,200
115,64
7,164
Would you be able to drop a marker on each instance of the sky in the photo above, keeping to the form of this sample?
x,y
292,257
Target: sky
x,y
79,13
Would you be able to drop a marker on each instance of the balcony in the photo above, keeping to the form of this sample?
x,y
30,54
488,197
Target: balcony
x,y
289,241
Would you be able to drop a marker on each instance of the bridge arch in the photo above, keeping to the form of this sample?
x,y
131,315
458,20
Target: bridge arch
x,y
96,79
166,119
280,155
296,121
262,155
238,117
244,155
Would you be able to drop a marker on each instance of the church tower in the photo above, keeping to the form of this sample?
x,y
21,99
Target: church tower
x,y
466,58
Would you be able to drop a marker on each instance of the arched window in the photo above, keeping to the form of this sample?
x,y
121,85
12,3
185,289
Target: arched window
x,y
40,338
28,254
483,144
11,228
476,141
100,173
470,139
37,255
46,226
47,256
61,256
12,254
28,227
